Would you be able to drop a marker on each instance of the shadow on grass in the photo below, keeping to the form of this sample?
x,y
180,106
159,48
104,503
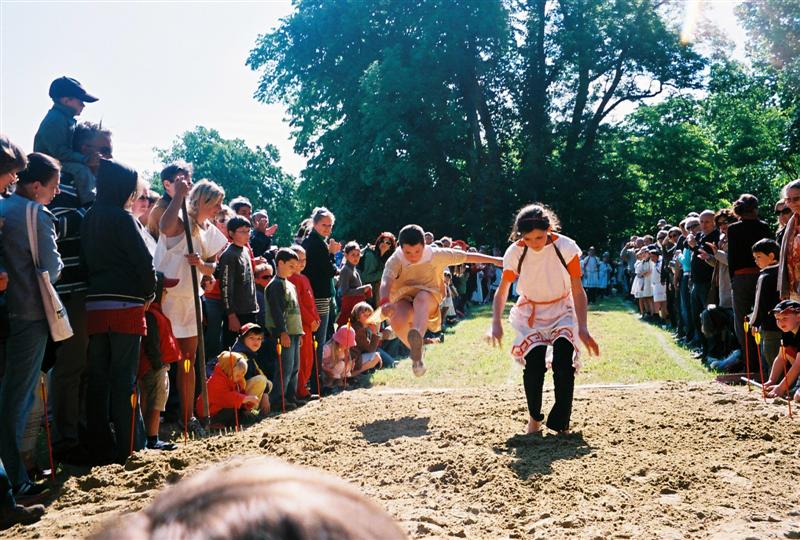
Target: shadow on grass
x,y
536,453
381,431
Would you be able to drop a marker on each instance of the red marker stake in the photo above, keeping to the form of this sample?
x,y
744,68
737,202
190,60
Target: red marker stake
x,y
280,370
789,395
187,364
317,367
133,418
757,337
47,429
746,325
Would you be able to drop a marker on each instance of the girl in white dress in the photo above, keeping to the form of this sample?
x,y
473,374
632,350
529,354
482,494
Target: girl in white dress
x,y
550,310
659,289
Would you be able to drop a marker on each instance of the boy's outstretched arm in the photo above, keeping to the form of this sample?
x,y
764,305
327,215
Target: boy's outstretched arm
x,y
479,258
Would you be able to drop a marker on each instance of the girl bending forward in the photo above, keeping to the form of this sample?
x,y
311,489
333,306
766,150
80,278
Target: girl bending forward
x,y
551,310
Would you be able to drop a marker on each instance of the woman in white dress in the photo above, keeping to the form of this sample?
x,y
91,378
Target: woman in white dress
x,y
173,259
551,310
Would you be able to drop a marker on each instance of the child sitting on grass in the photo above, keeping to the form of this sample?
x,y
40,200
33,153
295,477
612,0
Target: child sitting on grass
x,y
336,361
785,368
367,353
228,400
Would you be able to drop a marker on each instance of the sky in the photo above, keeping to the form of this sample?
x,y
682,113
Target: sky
x,y
160,68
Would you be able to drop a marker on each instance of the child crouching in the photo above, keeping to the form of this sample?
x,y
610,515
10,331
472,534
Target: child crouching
x,y
228,399
336,362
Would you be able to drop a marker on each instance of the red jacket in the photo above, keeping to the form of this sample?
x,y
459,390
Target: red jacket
x,y
222,394
167,344
305,296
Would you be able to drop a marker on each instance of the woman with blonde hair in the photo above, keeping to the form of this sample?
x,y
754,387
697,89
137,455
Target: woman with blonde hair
x,y
172,258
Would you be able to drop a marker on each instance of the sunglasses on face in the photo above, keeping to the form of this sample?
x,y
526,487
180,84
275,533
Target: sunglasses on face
x,y
387,242
784,212
793,199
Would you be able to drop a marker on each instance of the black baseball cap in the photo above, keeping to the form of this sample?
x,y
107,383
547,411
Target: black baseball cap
x,y
70,88
787,305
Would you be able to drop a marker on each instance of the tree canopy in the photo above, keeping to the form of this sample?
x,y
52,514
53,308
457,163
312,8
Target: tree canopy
x,y
240,170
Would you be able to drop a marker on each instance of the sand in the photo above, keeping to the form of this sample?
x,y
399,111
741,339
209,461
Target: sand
x,y
666,460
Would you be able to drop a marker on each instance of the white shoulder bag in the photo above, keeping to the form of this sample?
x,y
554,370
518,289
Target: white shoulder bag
x,y
57,319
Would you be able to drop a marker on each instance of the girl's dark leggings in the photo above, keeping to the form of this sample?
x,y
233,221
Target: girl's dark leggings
x,y
563,379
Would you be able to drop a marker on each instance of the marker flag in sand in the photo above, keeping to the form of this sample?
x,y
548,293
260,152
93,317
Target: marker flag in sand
x,y
746,325
788,393
317,367
757,337
133,418
47,428
187,365
279,348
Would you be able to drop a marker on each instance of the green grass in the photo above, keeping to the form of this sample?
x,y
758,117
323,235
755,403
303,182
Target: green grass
x,y
631,352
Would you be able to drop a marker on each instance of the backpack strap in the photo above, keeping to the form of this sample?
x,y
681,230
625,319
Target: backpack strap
x,y
558,252
555,247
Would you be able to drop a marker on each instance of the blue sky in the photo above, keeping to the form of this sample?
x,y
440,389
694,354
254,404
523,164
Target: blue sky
x,y
159,69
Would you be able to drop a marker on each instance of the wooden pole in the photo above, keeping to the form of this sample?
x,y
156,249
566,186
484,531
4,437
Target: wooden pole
x,y
201,346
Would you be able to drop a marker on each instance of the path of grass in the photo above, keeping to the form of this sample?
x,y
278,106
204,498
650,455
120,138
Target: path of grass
x,y
631,352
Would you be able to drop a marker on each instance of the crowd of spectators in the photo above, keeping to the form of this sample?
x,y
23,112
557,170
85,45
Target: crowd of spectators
x,y
726,283
86,240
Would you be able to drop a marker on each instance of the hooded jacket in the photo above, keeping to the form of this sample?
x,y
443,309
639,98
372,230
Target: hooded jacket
x,y
222,394
119,264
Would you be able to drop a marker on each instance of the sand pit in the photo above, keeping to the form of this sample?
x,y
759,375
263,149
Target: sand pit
x,y
668,460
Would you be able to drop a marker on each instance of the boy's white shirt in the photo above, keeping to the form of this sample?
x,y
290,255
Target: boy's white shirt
x,y
427,256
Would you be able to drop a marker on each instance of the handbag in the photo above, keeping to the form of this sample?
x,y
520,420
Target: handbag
x,y
57,319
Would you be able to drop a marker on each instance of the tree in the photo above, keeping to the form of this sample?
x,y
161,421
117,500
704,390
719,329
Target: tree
x,y
401,105
774,30
240,170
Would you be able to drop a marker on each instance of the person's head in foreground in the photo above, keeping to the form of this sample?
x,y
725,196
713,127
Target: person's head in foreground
x,y
257,498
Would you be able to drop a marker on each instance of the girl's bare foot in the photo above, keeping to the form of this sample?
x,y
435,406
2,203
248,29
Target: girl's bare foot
x,y
534,426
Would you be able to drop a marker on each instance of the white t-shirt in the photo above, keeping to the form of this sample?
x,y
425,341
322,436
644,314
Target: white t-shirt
x,y
543,278
170,256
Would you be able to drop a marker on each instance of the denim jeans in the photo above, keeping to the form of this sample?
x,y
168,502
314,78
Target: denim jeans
x,y
744,296
24,353
285,387
67,398
387,361
215,311
684,290
699,301
6,497
113,363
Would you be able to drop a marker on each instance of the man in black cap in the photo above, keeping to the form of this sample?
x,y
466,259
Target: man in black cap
x,y
55,133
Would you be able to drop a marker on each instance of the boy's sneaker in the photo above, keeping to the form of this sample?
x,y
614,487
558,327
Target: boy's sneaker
x,y
158,444
30,492
194,426
417,349
18,514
